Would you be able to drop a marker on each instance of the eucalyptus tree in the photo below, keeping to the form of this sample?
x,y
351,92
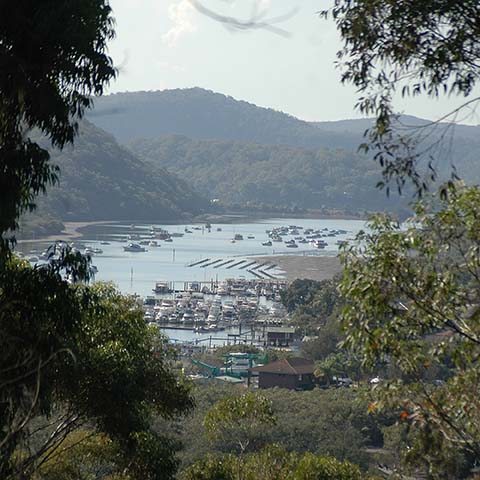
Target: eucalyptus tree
x,y
407,48
413,302
71,356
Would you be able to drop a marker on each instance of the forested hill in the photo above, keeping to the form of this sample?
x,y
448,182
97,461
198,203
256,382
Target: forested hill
x,y
102,180
443,144
275,175
202,114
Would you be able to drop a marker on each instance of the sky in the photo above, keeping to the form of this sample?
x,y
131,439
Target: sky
x,y
165,44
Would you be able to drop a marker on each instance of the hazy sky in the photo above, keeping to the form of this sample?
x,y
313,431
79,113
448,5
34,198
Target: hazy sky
x,y
168,44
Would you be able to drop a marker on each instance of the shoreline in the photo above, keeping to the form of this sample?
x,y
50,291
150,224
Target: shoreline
x,y
73,231
70,232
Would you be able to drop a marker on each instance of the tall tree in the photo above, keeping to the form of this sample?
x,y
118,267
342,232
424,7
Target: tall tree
x,y
70,356
413,302
52,59
408,48
412,293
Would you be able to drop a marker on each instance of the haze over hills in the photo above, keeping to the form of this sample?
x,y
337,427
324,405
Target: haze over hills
x,y
203,114
101,180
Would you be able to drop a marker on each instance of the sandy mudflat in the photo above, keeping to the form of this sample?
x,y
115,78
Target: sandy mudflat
x,y
313,268
71,232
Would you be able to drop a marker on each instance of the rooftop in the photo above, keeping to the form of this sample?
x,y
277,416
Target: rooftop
x,y
287,366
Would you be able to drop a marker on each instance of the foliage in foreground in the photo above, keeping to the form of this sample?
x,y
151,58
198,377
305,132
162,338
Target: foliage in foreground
x,y
331,422
414,303
241,417
408,48
73,356
272,463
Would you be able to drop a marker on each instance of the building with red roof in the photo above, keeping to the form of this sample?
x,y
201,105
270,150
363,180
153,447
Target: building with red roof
x,y
293,373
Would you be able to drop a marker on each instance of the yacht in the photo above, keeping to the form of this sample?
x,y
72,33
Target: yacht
x,y
167,306
133,247
319,244
162,287
188,317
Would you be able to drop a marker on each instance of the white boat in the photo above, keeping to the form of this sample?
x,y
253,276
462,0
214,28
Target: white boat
x,y
188,317
167,306
162,287
133,247
267,244
153,243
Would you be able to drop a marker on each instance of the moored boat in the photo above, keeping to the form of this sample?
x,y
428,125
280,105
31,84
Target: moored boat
x,y
133,247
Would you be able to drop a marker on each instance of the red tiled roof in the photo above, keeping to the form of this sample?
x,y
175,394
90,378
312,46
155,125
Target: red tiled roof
x,y
287,366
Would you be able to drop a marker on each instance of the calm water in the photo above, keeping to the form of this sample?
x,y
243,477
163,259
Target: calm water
x,y
138,272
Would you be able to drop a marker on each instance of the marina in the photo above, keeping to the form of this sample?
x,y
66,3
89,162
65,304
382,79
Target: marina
x,y
210,285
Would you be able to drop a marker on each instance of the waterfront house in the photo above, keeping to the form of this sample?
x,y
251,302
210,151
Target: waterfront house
x,y
292,373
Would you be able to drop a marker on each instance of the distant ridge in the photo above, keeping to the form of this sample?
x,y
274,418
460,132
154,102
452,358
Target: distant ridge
x,y
203,114
253,174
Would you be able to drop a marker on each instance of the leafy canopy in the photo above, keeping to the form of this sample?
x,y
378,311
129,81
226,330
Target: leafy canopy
x,y
408,48
70,355
243,415
53,58
104,368
272,463
413,301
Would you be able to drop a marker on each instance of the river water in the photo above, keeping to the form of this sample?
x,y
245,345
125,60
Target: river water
x,y
138,272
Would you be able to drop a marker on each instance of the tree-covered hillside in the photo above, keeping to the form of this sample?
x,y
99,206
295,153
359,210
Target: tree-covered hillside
x,y
442,144
203,114
241,173
101,180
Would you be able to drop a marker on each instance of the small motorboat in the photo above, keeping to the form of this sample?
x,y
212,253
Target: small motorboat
x,y
134,247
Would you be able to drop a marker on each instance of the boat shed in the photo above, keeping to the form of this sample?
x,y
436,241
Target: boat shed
x,y
279,336
292,373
